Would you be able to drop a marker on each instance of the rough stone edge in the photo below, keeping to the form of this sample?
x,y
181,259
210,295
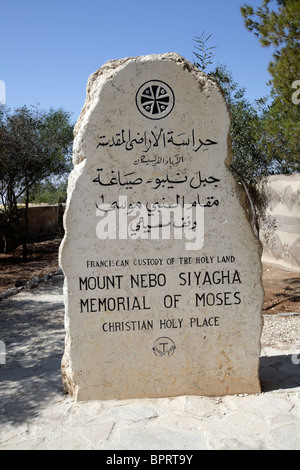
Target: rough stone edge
x,y
94,88
32,284
107,72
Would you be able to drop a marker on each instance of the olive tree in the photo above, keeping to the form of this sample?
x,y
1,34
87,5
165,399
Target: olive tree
x,y
34,145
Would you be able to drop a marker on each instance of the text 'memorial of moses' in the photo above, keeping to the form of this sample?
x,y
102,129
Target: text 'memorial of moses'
x,y
163,289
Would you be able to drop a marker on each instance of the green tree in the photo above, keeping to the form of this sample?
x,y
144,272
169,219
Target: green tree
x,y
277,24
247,132
250,160
278,27
50,191
34,145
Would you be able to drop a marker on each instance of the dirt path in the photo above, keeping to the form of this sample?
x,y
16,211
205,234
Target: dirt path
x,y
282,290
43,259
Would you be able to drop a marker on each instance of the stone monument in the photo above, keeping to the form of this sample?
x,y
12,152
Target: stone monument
x,y
163,288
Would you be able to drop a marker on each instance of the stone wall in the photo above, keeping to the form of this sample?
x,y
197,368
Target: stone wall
x,y
280,229
44,222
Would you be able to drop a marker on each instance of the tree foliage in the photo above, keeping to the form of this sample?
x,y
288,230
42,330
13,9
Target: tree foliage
x,y
277,24
203,53
264,134
34,145
278,27
50,191
249,156
250,160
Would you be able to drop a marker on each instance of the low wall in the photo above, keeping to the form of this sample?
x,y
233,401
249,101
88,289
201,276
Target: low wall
x,y
44,222
280,228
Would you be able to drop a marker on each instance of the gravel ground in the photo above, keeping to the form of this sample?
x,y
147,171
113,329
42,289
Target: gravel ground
x,y
281,331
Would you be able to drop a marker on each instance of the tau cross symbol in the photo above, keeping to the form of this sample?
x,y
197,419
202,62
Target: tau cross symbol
x,y
164,347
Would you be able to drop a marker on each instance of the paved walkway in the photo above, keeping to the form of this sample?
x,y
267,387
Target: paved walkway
x,y
34,414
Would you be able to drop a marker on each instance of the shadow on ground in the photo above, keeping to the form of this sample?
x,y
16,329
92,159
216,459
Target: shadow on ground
x,y
33,333
291,293
32,385
279,372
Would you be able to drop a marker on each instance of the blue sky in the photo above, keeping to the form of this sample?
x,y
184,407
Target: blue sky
x,y
49,48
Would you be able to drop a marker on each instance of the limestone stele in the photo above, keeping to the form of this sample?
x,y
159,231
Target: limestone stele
x,y
163,288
